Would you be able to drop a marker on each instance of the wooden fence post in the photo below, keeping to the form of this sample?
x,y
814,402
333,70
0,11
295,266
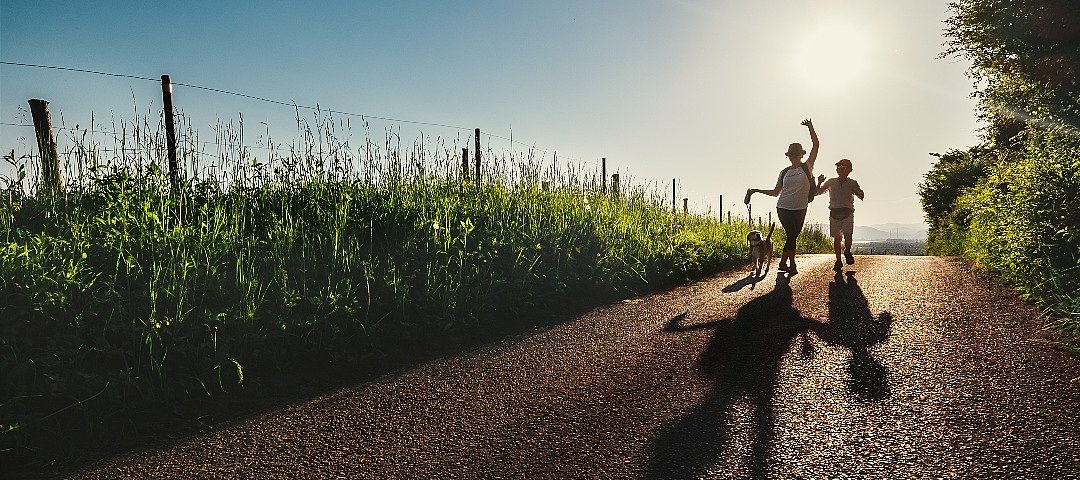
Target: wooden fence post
x,y
170,132
477,156
603,175
52,180
770,218
729,217
615,184
685,209
464,163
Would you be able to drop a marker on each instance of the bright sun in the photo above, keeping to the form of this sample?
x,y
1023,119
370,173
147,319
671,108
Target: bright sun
x,y
834,56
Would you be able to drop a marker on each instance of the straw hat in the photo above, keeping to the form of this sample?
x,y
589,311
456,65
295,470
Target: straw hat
x,y
795,149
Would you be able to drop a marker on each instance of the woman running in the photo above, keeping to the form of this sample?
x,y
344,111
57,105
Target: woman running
x,y
794,187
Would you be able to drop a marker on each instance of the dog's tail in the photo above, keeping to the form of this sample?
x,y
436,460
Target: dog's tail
x,y
771,227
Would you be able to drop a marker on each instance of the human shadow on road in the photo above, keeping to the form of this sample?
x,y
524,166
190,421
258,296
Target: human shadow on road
x,y
742,363
853,326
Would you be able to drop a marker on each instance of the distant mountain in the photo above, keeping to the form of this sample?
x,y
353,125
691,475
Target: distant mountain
x,y
887,231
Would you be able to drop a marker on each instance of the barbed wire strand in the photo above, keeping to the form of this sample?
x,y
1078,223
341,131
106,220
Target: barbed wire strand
x,y
316,108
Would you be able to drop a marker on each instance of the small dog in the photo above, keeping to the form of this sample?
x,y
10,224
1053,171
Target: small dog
x,y
761,250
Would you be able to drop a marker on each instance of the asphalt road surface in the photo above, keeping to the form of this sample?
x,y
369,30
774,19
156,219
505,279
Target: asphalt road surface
x,y
904,367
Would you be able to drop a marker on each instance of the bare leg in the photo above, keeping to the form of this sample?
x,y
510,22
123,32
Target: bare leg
x,y
847,245
847,249
836,246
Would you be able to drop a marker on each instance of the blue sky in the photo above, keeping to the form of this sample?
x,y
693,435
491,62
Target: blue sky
x,y
708,92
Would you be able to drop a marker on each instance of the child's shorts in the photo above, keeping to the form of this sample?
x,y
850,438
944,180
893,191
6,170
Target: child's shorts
x,y
842,227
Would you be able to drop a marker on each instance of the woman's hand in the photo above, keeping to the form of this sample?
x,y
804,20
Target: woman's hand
x,y
808,122
820,180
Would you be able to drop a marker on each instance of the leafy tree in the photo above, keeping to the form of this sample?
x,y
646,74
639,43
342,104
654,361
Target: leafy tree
x,y
1025,58
954,172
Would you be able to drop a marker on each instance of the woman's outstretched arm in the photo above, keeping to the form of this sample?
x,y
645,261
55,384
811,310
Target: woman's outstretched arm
x,y
814,149
772,193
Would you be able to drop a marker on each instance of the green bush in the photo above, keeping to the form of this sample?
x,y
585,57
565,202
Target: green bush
x,y
1023,222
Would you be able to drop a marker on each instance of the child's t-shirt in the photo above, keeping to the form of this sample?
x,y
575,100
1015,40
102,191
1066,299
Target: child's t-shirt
x,y
842,192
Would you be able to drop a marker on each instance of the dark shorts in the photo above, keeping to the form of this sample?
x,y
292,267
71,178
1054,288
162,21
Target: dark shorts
x,y
792,221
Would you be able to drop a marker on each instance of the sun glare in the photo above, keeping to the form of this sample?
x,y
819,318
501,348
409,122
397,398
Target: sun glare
x,y
834,56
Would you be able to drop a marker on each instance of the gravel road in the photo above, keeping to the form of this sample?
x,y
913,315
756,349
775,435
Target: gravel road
x,y
905,367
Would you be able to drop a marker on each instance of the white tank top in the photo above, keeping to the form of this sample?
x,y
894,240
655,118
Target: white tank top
x,y
795,190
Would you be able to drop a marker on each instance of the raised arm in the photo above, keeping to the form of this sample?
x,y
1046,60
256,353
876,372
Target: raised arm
x,y
814,149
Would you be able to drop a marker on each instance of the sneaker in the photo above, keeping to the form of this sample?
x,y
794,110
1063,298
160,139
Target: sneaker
x,y
850,258
838,266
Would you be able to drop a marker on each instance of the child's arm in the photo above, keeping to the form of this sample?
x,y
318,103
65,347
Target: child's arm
x,y
823,185
858,191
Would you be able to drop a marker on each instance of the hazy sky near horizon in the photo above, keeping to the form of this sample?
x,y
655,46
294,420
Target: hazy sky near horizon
x,y
708,92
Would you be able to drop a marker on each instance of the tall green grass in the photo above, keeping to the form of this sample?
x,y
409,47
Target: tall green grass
x,y
121,293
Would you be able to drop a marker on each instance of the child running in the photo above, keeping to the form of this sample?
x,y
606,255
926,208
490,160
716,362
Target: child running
x,y
841,209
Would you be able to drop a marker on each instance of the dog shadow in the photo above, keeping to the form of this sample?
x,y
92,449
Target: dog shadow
x,y
750,279
742,364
